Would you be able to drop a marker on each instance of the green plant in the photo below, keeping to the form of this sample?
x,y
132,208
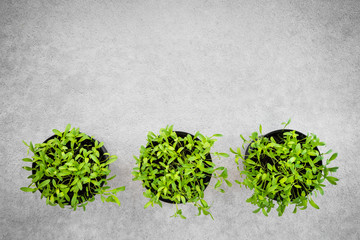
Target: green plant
x,y
287,169
178,169
69,169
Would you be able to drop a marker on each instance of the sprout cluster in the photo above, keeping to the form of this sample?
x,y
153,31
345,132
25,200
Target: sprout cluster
x,y
69,169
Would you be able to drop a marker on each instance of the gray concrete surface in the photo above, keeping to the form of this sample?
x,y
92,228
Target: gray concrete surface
x,y
118,69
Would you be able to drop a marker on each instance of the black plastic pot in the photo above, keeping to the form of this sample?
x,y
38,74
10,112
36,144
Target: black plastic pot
x,y
206,180
278,137
81,193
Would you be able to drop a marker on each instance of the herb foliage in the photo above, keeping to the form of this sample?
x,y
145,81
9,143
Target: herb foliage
x,y
288,170
177,167
69,169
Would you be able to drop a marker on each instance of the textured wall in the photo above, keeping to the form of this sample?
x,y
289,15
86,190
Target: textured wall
x,y
118,69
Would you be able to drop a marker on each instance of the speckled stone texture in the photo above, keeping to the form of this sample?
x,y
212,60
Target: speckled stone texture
x,y
118,69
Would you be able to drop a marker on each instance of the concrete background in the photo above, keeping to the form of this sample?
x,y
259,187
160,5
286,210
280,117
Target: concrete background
x,y
118,69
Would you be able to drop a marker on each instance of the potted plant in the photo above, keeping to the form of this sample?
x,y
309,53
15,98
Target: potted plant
x,y
70,168
284,166
176,167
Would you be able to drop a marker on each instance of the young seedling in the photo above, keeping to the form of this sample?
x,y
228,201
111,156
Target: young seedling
x,y
176,167
286,167
70,168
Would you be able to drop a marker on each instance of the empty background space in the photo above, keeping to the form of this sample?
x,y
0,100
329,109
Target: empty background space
x,y
118,69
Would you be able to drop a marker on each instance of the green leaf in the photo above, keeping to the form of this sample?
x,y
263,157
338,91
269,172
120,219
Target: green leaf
x,y
64,173
111,160
74,199
264,212
228,183
27,160
254,135
119,189
78,183
264,176
298,148
110,199
111,178
333,169
76,179
94,158
65,194
217,135
295,210
257,210
313,203
232,150
84,138
67,128
269,167
116,200
44,183
93,175
32,147
333,157
283,179
147,204
312,153
271,189
288,122
330,151
292,159
100,145
57,132
25,143
332,180
52,198
224,174
224,154
26,189
203,202
242,137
